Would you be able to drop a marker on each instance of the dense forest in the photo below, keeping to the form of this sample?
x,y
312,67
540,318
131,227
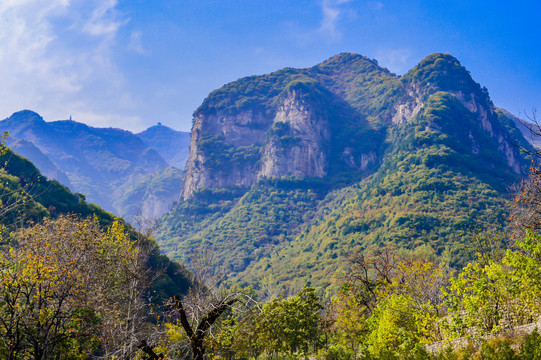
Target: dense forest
x,y
78,283
417,254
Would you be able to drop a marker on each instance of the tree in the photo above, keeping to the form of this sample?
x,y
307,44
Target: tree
x,y
393,328
525,265
17,205
70,290
198,329
197,312
291,325
348,316
368,274
526,212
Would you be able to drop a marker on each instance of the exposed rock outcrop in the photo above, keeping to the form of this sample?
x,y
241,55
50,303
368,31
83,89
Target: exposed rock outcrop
x,y
299,145
291,123
246,128
295,142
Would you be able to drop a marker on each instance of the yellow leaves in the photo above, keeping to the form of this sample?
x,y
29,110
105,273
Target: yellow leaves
x,y
67,265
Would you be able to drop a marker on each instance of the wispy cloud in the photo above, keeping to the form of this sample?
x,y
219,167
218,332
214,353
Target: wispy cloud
x,y
136,42
332,14
375,5
103,20
54,53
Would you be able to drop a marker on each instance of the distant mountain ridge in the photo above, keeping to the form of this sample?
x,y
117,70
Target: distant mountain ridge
x,y
290,172
172,145
102,163
28,197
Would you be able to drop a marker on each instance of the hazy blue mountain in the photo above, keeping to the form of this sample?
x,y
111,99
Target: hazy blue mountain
x,y
39,159
172,145
526,127
158,190
101,163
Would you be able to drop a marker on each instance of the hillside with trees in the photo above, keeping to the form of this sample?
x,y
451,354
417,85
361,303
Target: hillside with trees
x,y
76,280
291,172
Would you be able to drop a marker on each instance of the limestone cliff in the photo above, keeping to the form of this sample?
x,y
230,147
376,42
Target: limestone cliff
x,y
442,72
298,142
294,142
325,121
212,137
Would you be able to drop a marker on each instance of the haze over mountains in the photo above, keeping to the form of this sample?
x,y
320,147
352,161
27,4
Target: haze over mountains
x,y
107,165
291,172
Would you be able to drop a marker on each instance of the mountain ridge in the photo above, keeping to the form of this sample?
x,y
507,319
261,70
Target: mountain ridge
x,y
239,126
106,164
411,160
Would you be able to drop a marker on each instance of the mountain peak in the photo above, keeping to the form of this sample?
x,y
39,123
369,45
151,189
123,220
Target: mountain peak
x,y
441,57
26,116
347,57
444,72
157,129
349,60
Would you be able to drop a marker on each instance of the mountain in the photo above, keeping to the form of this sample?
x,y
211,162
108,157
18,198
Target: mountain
x,y
39,159
151,195
528,128
27,197
103,163
291,172
172,145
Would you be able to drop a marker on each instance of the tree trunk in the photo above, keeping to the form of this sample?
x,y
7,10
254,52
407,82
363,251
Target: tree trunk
x,y
198,349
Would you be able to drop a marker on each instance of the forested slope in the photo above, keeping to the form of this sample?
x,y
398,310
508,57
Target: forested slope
x,y
423,158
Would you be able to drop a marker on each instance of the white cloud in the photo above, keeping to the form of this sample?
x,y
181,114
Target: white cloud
x,y
103,20
332,14
57,58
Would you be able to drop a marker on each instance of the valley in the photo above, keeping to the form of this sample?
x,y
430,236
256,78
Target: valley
x,y
340,211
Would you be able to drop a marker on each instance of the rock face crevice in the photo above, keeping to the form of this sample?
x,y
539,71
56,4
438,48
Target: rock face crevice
x,y
301,147
294,142
407,109
483,109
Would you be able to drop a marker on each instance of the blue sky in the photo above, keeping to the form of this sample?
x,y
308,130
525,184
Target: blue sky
x,y
133,63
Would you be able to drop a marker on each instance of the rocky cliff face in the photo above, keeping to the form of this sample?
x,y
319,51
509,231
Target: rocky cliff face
x,y
295,142
442,72
299,144
231,131
311,122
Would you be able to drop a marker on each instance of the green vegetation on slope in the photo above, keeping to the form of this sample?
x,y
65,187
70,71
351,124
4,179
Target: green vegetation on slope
x,y
269,214
432,188
430,180
27,196
150,195
441,178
